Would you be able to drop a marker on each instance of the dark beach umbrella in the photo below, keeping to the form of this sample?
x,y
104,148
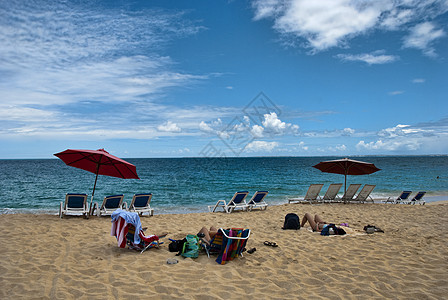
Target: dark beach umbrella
x,y
98,162
346,167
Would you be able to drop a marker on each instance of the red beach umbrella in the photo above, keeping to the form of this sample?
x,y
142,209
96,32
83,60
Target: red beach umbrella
x,y
346,167
98,162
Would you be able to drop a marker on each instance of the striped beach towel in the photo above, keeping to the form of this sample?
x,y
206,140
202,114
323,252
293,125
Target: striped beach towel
x,y
231,248
120,230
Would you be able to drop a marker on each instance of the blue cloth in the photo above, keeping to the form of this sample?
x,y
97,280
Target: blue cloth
x,y
130,218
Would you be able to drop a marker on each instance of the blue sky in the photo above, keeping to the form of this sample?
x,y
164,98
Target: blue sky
x,y
224,78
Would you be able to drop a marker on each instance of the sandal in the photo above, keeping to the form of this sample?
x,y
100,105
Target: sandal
x,y
251,250
272,244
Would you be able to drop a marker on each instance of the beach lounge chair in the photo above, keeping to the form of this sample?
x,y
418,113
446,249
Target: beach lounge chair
x,y
140,204
228,244
418,198
109,205
311,195
238,201
402,198
332,193
127,228
74,204
364,194
257,200
350,192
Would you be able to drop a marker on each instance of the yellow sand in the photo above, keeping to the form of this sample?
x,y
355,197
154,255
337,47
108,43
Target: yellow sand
x,y
43,256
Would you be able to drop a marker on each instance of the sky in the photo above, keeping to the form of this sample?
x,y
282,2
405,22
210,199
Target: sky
x,y
224,78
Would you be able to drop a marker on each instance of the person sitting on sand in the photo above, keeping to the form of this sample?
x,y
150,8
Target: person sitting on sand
x,y
316,223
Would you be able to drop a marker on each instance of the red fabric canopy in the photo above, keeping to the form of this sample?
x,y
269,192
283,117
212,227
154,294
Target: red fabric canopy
x,y
98,162
346,166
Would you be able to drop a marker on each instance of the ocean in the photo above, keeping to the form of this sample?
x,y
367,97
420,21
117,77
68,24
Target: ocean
x,y
186,185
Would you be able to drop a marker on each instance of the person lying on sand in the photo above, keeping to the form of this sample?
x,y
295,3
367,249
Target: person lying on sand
x,y
316,223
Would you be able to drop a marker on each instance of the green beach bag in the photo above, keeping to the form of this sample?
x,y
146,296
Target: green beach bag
x,y
191,246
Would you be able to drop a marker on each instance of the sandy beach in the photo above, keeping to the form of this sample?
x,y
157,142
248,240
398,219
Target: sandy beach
x,y
44,257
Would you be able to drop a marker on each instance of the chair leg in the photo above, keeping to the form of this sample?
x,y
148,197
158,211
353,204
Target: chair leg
x,y
61,213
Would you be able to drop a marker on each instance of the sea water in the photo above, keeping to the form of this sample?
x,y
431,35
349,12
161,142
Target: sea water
x,y
184,185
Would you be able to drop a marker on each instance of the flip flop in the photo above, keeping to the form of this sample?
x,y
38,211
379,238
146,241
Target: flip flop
x,y
272,244
251,250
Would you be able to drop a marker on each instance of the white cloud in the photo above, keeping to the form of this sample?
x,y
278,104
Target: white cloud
x,y
418,80
432,136
272,124
205,127
399,130
257,131
19,113
422,37
394,93
348,132
261,146
332,23
302,146
341,147
169,127
371,59
389,145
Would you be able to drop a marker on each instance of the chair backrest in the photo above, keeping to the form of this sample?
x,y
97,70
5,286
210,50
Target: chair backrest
x,y
75,200
258,197
351,191
332,191
365,192
313,191
239,197
404,195
233,242
141,200
111,202
419,196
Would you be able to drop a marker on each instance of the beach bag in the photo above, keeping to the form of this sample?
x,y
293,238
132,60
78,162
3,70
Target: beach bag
x,y
292,221
176,245
191,246
331,229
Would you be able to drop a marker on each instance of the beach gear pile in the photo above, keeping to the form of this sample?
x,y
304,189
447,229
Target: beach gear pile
x,y
127,228
332,229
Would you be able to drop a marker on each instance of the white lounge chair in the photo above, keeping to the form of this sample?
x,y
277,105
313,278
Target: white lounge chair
x,y
140,204
350,192
109,205
404,196
418,198
331,195
364,194
257,200
74,204
238,201
311,194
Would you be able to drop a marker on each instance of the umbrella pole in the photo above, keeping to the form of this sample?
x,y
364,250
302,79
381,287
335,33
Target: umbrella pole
x,y
94,186
93,192
345,183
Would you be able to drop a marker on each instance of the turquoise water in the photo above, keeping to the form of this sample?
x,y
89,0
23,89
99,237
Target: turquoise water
x,y
184,185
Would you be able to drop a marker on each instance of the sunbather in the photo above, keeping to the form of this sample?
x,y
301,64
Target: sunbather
x,y
208,234
316,223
